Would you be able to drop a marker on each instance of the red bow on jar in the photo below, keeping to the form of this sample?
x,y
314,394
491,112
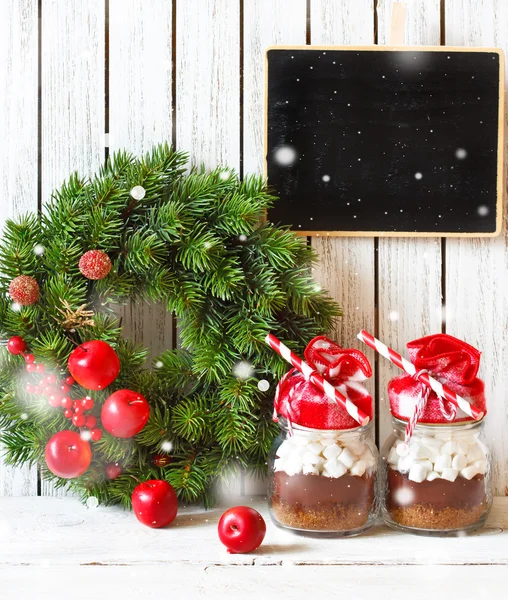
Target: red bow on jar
x,y
452,362
302,403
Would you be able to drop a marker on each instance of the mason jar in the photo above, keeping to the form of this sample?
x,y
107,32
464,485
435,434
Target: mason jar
x,y
438,483
323,482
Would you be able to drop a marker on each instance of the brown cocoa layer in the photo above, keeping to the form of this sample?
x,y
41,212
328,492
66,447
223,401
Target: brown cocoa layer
x,y
318,503
439,504
440,493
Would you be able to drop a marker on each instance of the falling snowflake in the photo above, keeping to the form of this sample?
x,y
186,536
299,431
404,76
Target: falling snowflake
x,y
243,370
285,156
403,496
85,435
461,153
418,175
15,307
138,192
393,316
167,446
483,210
158,364
263,385
242,237
92,502
39,249
224,175
326,178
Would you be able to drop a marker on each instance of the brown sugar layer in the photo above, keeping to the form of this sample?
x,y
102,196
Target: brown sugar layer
x,y
438,504
319,503
440,493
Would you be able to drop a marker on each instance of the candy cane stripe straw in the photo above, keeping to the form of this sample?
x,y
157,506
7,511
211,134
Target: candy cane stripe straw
x,y
441,390
314,377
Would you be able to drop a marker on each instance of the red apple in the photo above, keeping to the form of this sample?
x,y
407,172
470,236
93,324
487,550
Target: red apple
x,y
67,455
125,413
241,529
94,365
154,503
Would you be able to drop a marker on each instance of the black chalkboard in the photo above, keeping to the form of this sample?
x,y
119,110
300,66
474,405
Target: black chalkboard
x,y
362,141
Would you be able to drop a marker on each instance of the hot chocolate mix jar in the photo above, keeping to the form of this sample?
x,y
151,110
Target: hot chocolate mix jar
x,y
436,470
323,465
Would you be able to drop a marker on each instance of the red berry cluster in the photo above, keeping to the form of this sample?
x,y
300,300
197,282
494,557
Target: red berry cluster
x,y
57,392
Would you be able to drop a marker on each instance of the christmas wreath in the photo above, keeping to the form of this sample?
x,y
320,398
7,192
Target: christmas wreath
x,y
77,399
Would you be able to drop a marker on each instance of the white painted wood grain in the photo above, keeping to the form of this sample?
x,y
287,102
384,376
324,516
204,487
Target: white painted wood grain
x,y
216,582
266,23
140,116
346,265
18,157
409,284
477,269
73,102
208,81
60,531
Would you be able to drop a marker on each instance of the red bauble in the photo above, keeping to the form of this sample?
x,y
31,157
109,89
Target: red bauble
x,y
94,365
96,434
29,358
95,264
154,503
125,413
91,422
40,368
16,345
114,470
24,290
241,529
78,420
67,455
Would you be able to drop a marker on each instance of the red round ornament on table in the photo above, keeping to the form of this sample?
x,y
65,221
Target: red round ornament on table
x,y
302,403
241,529
95,264
155,503
94,365
125,413
16,345
24,290
67,455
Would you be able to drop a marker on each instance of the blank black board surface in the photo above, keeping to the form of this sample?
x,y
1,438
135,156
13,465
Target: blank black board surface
x,y
372,140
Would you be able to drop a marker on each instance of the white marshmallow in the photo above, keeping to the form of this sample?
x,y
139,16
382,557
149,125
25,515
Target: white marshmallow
x,y
481,465
402,449
404,463
459,462
279,464
469,472
334,468
425,463
442,462
462,446
332,451
432,442
417,473
346,457
309,458
449,474
432,475
393,457
293,465
358,468
474,453
328,441
449,447
315,447
356,447
443,435
310,470
298,440
423,451
284,449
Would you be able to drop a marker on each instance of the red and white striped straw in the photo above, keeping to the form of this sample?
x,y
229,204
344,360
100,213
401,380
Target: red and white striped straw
x,y
314,377
441,390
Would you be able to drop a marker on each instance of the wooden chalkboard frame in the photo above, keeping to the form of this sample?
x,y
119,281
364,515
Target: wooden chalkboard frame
x,y
500,149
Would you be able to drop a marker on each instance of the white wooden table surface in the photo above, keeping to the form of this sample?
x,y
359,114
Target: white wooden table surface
x,y
56,548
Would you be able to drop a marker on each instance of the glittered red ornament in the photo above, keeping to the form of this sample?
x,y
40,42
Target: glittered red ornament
x,y
161,460
95,264
24,290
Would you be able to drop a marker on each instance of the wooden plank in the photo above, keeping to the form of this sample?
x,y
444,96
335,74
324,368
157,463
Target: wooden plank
x,y
72,88
18,160
140,116
208,81
61,531
477,269
346,266
409,285
266,23
208,93
249,583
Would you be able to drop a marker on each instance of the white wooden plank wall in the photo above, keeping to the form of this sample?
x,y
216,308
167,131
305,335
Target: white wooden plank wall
x,y
192,71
